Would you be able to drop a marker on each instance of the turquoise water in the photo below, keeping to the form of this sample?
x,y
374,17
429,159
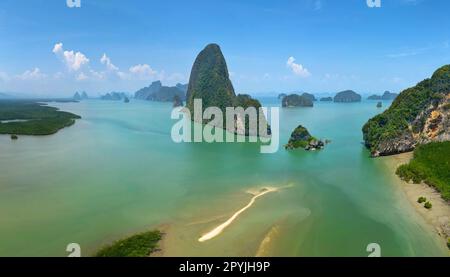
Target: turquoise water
x,y
117,171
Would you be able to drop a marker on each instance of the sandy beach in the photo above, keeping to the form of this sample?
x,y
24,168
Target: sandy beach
x,y
439,215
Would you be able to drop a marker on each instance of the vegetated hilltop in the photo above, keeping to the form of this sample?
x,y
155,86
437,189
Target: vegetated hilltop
x,y
418,115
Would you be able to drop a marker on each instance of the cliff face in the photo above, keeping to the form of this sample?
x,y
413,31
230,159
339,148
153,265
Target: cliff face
x,y
419,115
210,82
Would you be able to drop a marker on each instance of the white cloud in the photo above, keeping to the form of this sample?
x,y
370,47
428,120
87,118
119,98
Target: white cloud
x,y
34,74
297,69
73,60
58,48
97,75
109,65
143,70
82,77
140,71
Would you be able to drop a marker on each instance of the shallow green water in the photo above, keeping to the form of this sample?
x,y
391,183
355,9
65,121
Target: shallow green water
x,y
117,171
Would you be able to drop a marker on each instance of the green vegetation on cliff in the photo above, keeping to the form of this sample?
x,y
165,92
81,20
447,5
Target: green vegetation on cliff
x,y
300,138
139,245
400,118
210,81
31,118
431,164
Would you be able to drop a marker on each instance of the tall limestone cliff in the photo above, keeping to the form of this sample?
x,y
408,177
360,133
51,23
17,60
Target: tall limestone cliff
x,y
419,115
210,82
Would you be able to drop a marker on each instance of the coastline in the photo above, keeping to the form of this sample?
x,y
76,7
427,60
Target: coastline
x,y
439,215
160,250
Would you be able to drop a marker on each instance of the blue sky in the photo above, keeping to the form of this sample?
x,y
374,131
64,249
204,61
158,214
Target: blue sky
x,y
48,49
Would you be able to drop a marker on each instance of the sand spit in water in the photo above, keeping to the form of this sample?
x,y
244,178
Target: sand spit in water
x,y
219,229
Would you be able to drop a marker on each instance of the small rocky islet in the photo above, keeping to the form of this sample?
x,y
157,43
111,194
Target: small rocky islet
x,y
301,138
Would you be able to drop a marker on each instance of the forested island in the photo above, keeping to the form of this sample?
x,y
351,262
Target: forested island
x,y
210,82
301,138
23,117
295,100
347,96
309,96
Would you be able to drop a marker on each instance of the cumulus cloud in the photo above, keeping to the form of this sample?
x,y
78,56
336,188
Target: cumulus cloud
x,y
97,75
143,70
34,74
107,61
73,60
58,48
297,69
140,72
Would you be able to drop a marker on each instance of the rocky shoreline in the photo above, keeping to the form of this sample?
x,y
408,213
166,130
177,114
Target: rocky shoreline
x,y
301,138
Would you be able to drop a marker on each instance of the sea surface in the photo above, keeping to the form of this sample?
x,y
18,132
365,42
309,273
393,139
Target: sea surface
x,y
117,172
